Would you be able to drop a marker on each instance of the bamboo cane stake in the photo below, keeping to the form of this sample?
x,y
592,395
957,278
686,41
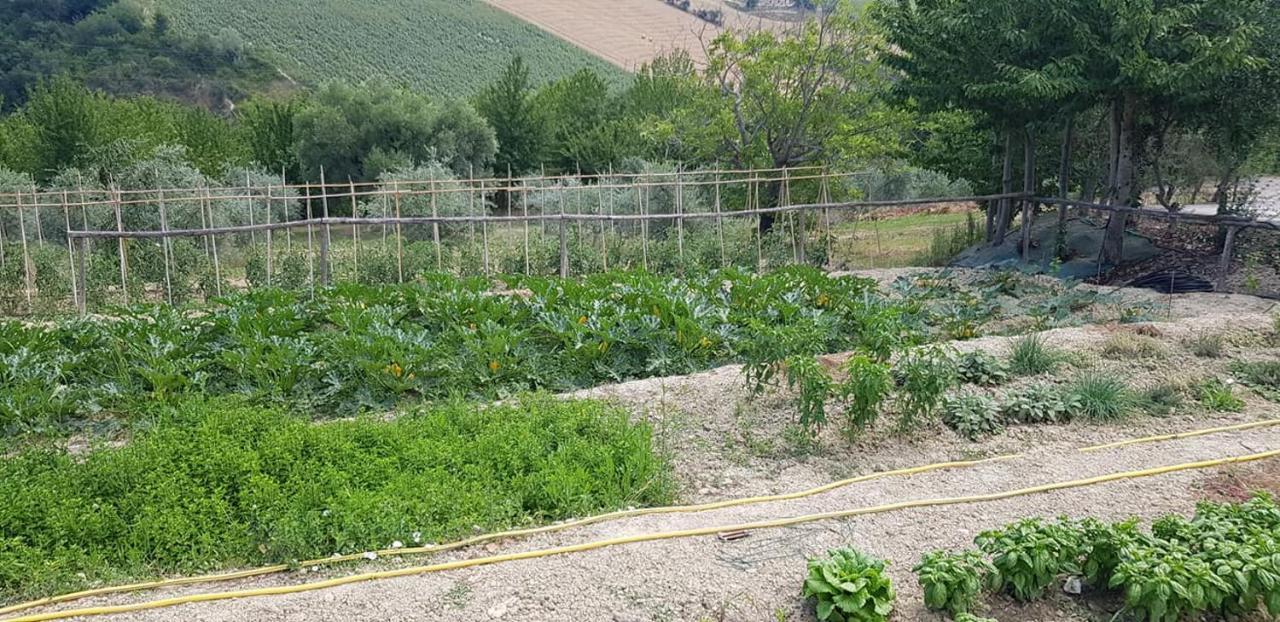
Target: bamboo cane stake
x,y
395,185
165,250
71,256
28,281
124,260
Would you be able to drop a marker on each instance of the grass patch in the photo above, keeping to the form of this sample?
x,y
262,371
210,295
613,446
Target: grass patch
x,y
218,483
1132,346
1263,376
1216,396
1161,399
1206,345
901,241
1032,356
1101,397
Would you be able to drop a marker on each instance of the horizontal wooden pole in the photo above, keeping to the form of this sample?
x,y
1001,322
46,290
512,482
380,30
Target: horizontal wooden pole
x,y
428,220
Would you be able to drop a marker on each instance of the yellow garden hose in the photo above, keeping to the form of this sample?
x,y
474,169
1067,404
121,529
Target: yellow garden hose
x,y
1181,435
439,548
651,537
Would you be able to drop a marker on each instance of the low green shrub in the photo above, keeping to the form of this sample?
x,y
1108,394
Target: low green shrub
x,y
1206,344
971,416
1030,554
1032,356
869,383
1262,376
978,367
213,484
952,582
923,376
849,586
1217,396
1102,397
1038,403
1160,399
1223,563
811,384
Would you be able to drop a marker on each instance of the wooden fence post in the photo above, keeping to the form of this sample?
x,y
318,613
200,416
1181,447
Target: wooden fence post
x,y
524,200
355,231
1224,264
28,282
71,255
327,239
270,251
213,243
720,223
564,240
166,251
484,230
124,259
680,218
435,227
395,189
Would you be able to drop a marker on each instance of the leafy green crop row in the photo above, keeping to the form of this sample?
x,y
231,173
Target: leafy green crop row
x,y
217,483
362,346
1224,561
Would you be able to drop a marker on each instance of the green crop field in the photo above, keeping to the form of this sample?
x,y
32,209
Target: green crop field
x,y
439,47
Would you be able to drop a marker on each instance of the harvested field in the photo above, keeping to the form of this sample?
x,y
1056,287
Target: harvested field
x,y
628,33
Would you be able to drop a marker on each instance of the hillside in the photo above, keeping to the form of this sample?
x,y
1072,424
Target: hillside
x,y
439,47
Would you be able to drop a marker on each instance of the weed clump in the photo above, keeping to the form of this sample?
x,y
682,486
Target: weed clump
x,y
1101,397
1132,346
1206,345
1032,356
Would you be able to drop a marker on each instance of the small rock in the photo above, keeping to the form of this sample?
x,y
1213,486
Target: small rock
x,y
500,609
626,617
1073,586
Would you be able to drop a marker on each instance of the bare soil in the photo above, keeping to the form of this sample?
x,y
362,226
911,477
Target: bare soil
x,y
725,445
630,33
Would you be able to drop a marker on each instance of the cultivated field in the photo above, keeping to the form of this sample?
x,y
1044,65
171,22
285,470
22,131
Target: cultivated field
x,y
628,33
440,47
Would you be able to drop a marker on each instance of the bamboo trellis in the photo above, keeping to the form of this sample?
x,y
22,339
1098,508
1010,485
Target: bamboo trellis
x,y
582,206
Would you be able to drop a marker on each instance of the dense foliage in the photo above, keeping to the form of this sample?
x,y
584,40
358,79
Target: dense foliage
x,y
124,47
217,483
1223,561
357,346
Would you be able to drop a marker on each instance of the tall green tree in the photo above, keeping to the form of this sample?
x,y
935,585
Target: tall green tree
x,y
267,126
812,95
1143,53
66,121
508,105
343,127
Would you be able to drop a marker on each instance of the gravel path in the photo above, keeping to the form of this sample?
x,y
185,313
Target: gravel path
x,y
726,447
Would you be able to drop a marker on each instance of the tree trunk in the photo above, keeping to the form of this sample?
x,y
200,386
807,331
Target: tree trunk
x,y
1064,187
1029,188
772,194
1006,187
1123,180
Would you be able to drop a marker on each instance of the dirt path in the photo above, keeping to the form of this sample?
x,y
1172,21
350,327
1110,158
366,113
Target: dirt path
x,y
727,447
